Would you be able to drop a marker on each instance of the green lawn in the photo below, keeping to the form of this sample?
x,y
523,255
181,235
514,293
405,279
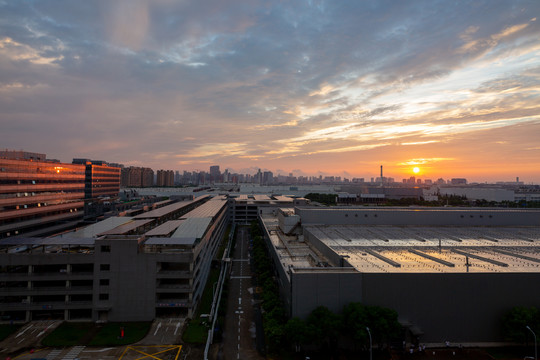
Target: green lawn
x,y
68,334
196,332
109,334
87,333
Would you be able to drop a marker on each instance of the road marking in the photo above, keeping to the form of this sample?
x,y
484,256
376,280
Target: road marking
x,y
157,328
172,350
239,301
22,332
100,350
53,354
177,326
43,332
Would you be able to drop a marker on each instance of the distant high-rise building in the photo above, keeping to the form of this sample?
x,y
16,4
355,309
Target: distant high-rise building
x,y
268,177
147,177
134,176
215,174
165,178
458,181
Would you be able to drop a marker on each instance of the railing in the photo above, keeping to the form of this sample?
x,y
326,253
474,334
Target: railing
x,y
217,295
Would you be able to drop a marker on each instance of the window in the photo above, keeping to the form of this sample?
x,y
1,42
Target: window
x,y
103,296
105,248
104,282
105,267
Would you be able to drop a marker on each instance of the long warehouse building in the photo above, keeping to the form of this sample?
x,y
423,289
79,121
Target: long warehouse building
x,y
451,274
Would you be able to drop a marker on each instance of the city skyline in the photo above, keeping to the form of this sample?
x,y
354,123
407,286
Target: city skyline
x,y
304,88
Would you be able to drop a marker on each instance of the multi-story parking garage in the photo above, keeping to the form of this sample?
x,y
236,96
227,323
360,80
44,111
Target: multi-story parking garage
x,y
123,269
451,274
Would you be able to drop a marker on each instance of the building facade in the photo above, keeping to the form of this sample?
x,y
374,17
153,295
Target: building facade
x,y
101,180
37,194
165,178
137,177
121,269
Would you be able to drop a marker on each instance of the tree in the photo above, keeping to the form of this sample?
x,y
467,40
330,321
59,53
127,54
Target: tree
x,y
326,326
383,322
517,319
273,331
298,332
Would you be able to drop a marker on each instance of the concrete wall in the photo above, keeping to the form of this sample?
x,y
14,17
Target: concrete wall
x,y
132,281
454,307
324,287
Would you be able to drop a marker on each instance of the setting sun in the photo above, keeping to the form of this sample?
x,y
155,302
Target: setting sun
x,y
416,170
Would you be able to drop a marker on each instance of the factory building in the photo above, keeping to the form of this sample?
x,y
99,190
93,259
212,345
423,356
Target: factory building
x,y
121,269
451,274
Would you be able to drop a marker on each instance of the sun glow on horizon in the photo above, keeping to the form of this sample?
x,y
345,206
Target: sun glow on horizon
x,y
416,169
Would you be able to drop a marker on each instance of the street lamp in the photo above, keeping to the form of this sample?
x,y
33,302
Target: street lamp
x,y
535,349
371,346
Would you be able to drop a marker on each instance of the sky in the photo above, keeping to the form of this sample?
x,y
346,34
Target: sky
x,y
309,87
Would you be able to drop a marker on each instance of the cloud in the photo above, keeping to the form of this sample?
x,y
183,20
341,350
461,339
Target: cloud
x,y
266,84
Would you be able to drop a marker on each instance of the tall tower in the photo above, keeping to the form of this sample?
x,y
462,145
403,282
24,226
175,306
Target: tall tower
x,y
382,180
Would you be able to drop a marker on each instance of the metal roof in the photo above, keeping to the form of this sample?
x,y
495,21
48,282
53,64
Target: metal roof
x,y
262,197
283,198
165,229
170,241
16,241
127,227
100,227
162,211
192,227
433,249
208,209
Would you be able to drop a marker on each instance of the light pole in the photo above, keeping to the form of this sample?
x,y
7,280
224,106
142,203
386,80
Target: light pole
x,y
370,344
535,349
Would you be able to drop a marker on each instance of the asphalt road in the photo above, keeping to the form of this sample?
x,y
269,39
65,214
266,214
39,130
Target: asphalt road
x,y
239,337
